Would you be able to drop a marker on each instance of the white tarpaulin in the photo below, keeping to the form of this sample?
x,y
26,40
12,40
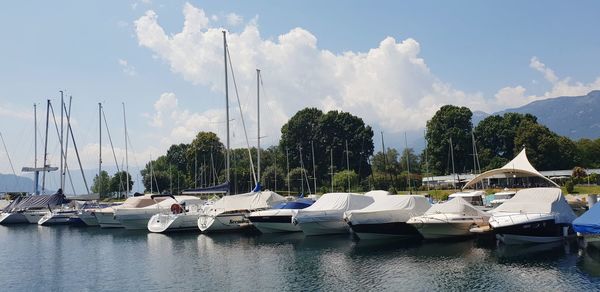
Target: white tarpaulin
x,y
519,166
388,209
455,206
332,207
538,200
248,201
378,193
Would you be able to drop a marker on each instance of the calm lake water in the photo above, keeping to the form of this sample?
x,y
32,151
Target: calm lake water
x,y
62,258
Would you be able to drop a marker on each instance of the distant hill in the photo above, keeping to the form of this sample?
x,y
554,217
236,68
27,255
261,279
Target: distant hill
x,y
12,183
573,116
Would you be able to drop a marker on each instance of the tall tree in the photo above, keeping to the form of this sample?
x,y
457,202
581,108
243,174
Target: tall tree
x,y
101,185
449,122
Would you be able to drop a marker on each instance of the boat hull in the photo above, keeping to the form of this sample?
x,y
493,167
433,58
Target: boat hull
x,y
107,220
385,230
544,231
162,223
444,230
88,217
34,217
274,224
12,218
324,227
223,222
134,221
55,219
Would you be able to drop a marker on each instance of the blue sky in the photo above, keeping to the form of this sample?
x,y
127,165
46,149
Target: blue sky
x,y
391,62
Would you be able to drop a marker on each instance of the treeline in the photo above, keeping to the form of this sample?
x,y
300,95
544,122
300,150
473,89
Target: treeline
x,y
112,186
497,140
334,151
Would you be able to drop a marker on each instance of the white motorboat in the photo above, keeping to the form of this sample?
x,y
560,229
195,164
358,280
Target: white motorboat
x,y
57,217
33,216
230,212
326,215
536,215
279,219
453,218
178,219
106,216
138,218
474,198
501,197
7,218
387,216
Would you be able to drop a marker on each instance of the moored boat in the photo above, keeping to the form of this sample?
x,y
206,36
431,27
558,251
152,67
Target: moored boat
x,y
279,219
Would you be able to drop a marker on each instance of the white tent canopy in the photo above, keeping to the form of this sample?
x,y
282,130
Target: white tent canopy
x,y
539,200
389,209
519,166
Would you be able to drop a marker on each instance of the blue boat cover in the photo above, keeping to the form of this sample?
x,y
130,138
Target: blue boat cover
x,y
589,222
298,204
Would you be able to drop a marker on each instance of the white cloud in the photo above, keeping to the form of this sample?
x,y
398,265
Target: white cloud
x,y
510,97
234,19
539,66
163,106
390,86
127,68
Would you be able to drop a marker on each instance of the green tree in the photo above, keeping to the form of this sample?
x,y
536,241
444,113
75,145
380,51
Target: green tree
x,y
589,152
177,156
328,134
545,149
101,185
340,180
449,122
207,153
414,163
118,183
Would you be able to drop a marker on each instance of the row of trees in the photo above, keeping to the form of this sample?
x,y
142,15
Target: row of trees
x,y
498,139
112,186
341,147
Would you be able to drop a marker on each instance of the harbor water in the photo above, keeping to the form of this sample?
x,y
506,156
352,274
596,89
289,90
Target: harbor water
x,y
63,258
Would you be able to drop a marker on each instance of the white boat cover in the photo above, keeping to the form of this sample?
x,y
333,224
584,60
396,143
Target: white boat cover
x,y
248,201
519,166
332,206
455,206
539,200
166,202
378,193
388,209
468,194
134,202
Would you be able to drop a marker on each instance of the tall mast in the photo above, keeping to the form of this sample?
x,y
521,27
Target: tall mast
x,y
100,148
287,163
452,156
312,148
46,147
348,165
331,166
226,105
385,158
426,162
62,156
126,153
407,162
35,136
258,122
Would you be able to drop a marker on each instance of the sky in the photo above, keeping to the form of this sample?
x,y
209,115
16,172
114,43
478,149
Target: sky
x,y
392,63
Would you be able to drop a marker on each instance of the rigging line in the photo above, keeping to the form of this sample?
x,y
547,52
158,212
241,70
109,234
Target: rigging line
x,y
10,161
59,140
111,145
241,114
70,130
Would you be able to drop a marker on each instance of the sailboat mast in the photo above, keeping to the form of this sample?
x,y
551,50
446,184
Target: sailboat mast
x,y
99,148
226,105
348,165
452,157
331,166
287,164
62,156
407,163
126,152
46,147
312,148
35,136
258,123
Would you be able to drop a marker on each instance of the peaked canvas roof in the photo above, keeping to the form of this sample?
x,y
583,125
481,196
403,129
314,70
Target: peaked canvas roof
x,y
519,166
